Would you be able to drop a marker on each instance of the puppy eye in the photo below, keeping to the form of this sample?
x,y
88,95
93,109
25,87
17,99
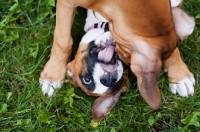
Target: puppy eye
x,y
86,80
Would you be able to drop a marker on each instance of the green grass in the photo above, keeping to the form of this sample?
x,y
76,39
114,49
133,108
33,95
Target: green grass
x,y
26,34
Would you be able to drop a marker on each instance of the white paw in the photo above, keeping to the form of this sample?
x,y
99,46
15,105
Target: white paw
x,y
48,86
175,3
184,87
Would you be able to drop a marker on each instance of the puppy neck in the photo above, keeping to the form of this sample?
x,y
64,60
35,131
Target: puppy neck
x,y
94,27
92,19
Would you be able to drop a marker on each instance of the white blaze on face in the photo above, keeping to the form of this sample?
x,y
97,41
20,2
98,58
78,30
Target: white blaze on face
x,y
98,72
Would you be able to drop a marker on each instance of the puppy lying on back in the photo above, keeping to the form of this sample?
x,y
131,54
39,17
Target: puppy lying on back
x,y
98,71
96,68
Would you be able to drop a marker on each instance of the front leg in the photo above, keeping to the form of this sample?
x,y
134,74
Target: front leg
x,y
181,79
54,71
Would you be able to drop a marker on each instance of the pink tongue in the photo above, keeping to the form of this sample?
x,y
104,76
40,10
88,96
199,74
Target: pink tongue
x,y
106,54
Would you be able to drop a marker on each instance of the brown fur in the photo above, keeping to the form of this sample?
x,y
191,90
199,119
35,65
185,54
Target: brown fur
x,y
145,35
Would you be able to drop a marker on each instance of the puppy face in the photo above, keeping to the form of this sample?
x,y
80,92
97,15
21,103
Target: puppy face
x,y
97,69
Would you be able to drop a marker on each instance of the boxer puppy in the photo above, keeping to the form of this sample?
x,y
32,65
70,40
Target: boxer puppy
x,y
96,68
146,37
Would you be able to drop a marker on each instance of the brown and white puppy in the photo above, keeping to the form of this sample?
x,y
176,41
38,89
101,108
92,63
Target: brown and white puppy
x,y
96,68
146,33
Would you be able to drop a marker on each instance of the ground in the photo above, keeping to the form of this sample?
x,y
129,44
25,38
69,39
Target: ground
x,y
26,34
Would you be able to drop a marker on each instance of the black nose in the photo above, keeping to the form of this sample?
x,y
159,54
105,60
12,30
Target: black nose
x,y
108,80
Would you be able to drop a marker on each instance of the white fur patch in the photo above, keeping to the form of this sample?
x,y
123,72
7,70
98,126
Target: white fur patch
x,y
175,3
94,33
48,86
91,35
100,17
91,19
98,72
103,37
99,87
184,87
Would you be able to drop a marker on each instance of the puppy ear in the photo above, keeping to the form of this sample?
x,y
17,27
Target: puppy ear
x,y
70,70
104,104
147,72
184,24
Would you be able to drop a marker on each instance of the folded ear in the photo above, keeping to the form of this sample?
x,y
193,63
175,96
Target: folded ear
x,y
184,24
147,72
104,104
72,71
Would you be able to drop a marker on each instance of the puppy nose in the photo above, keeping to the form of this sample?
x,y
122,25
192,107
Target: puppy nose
x,y
108,81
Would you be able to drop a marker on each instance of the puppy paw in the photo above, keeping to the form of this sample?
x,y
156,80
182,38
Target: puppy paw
x,y
181,80
48,86
184,87
52,76
175,3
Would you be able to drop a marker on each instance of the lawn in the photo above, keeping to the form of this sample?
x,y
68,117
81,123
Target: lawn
x,y
26,34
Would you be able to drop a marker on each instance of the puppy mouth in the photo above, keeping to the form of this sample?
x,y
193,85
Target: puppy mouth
x,y
106,54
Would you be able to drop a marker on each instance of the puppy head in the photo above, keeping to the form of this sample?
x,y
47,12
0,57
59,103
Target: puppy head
x,y
96,68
